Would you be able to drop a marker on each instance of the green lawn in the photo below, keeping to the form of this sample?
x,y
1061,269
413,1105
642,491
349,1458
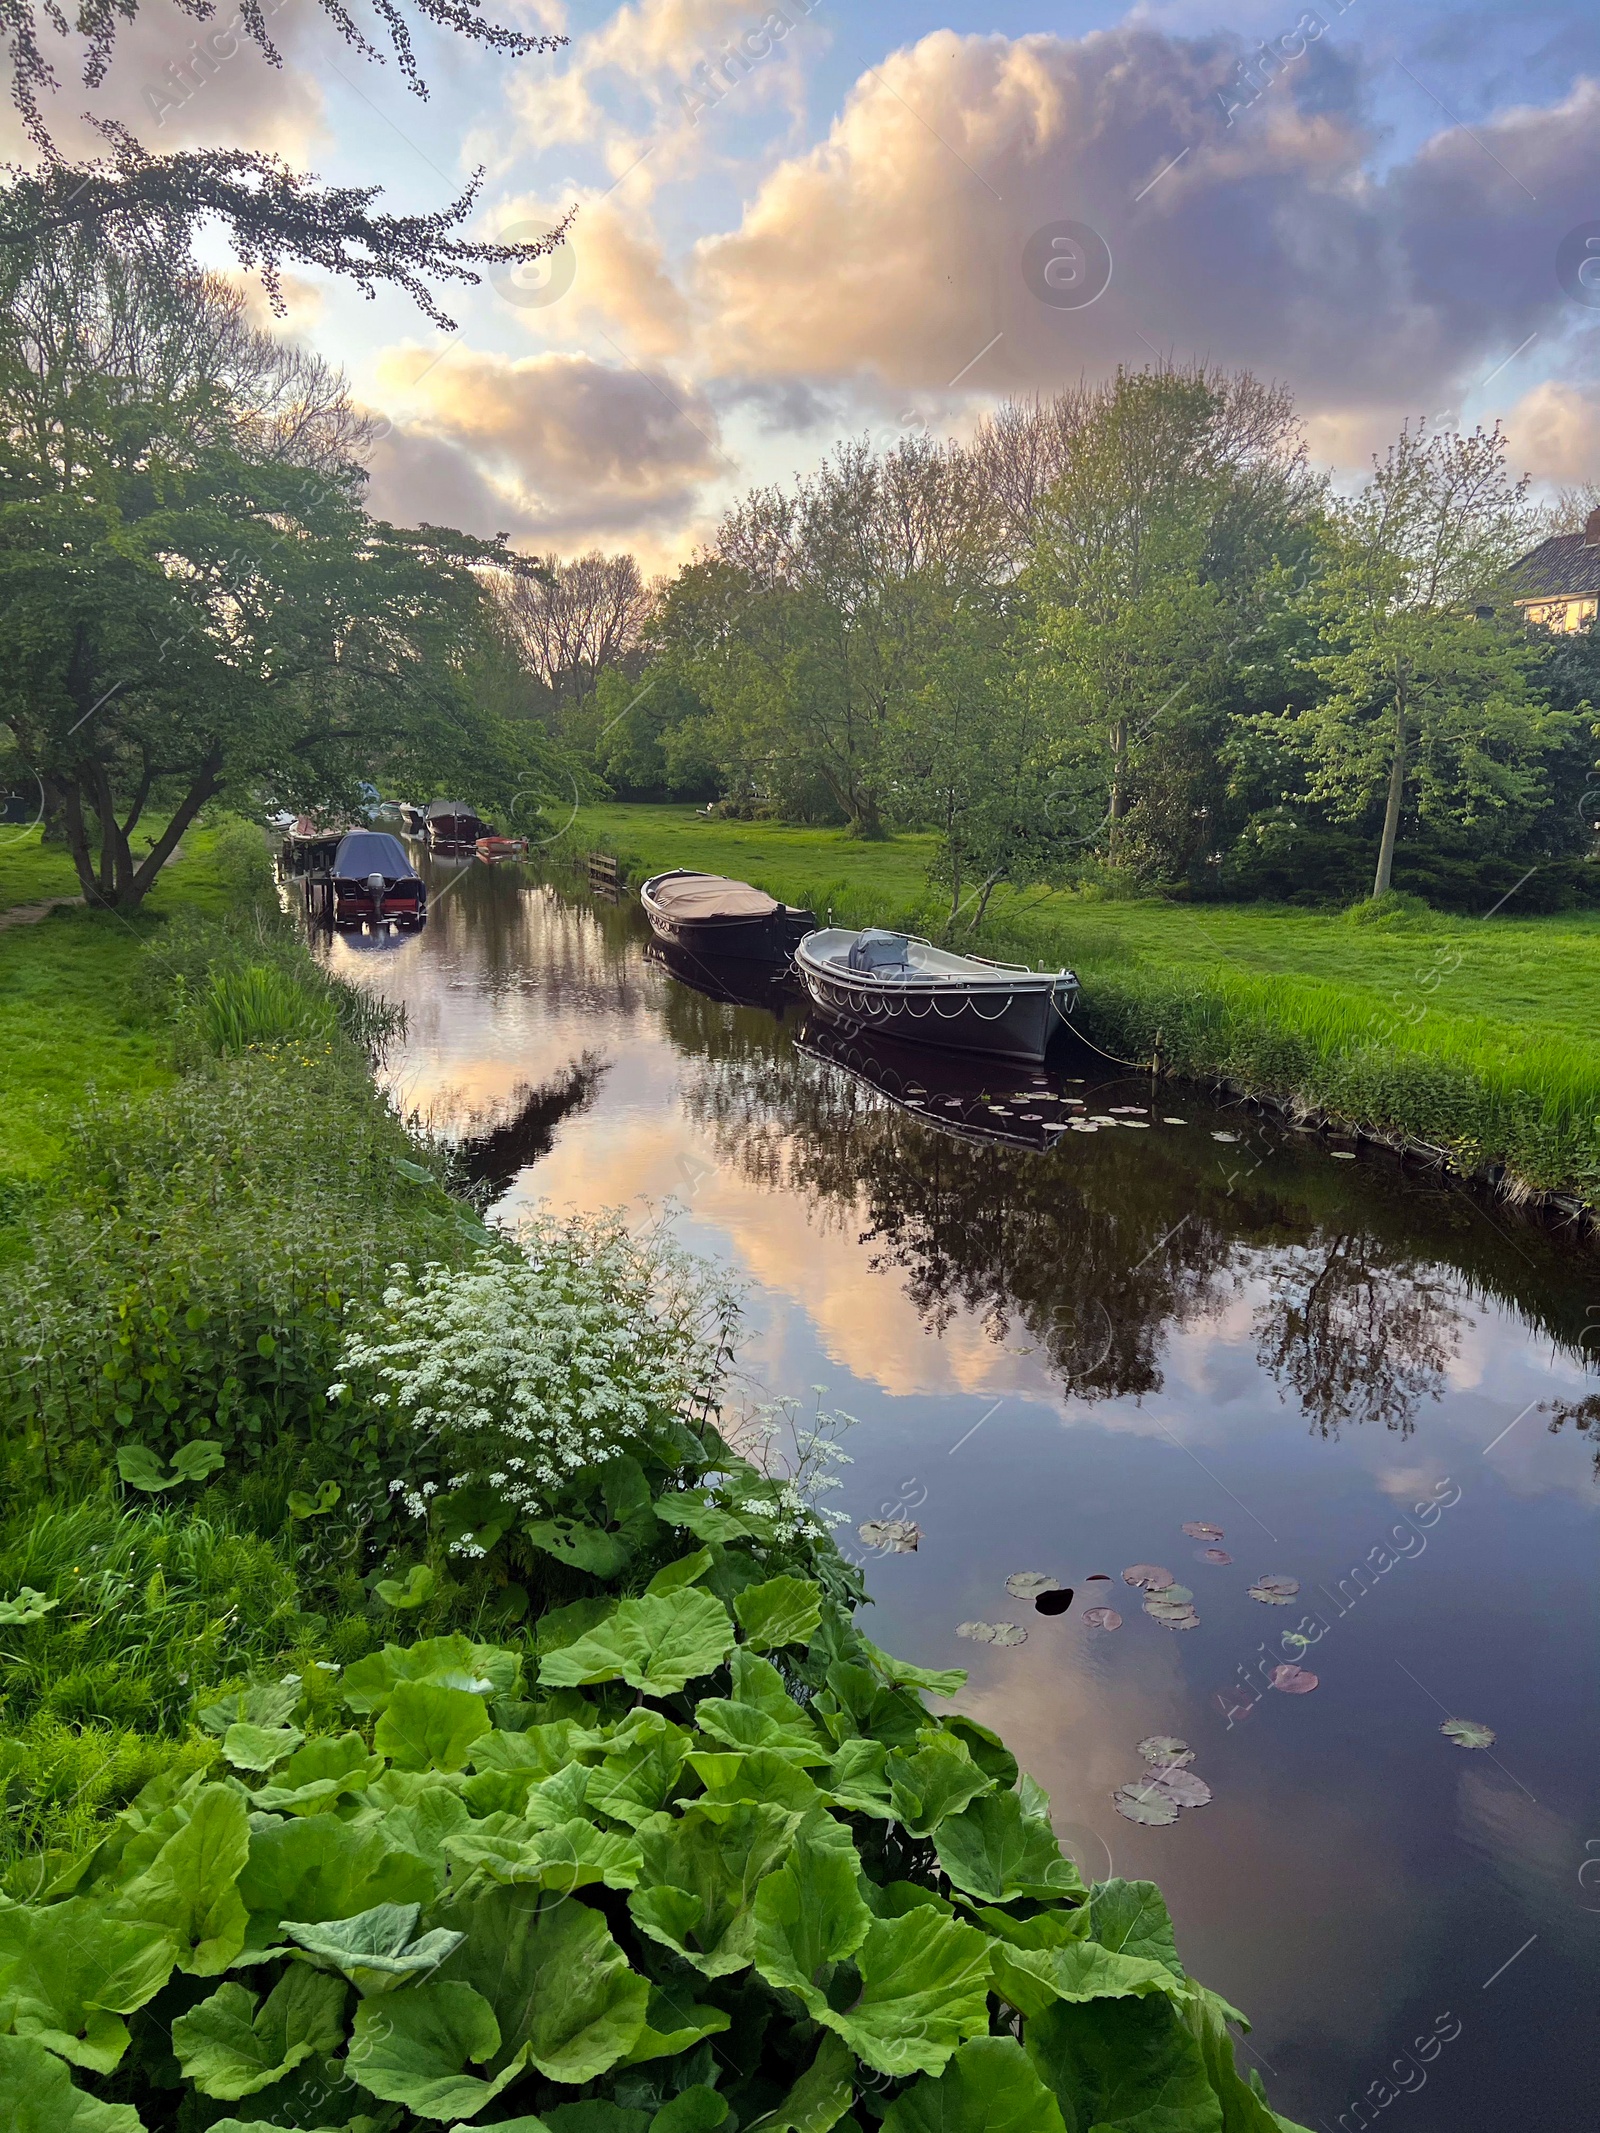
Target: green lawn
x,y
69,1009
1476,1033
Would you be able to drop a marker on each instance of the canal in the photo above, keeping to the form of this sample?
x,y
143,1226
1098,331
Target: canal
x,y
1064,1344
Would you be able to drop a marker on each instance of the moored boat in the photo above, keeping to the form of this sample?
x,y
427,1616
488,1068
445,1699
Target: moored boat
x,y
368,880
904,987
491,848
451,826
717,917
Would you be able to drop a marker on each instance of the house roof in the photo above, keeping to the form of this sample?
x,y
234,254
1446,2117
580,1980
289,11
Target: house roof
x,y
1565,566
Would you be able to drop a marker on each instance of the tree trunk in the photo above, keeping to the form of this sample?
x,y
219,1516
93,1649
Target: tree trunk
x,y
1119,783
1391,812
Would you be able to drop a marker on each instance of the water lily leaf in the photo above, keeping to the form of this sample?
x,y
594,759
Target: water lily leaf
x,y
425,1727
1170,1593
1102,1618
924,1990
1166,1748
1028,1584
1126,2063
1182,1787
989,2086
418,1587
699,1879
561,1988
781,1611
250,1747
190,1886
1172,1614
1132,1918
996,1850
28,1606
1198,1530
935,1780
228,2047
303,1506
37,2096
374,1950
1212,1555
992,1632
316,1868
1275,1590
1146,1576
892,1536
1468,1733
68,1974
1293,1680
1144,1802
809,1916
657,1644
413,2049
1224,1136
1054,1603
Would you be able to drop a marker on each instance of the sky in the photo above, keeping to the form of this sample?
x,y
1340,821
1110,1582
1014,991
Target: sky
x,y
825,221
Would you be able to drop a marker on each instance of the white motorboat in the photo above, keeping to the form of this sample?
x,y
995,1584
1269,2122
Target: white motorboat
x,y
901,986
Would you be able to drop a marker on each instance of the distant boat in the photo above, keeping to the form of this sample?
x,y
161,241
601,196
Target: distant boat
x,y
368,880
493,848
715,916
451,826
900,986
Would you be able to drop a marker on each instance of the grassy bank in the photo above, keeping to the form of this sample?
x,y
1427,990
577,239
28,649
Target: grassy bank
x,y
1471,1035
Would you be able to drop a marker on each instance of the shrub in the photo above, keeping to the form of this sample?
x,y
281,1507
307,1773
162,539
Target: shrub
x,y
258,1007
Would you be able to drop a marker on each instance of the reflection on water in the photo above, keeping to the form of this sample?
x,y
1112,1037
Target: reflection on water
x,y
1062,1345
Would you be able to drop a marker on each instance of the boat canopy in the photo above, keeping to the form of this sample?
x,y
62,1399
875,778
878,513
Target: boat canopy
x,y
365,852
449,811
876,950
710,896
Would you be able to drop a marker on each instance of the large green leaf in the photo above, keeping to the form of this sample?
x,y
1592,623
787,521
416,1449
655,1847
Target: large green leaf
x,y
1032,1978
857,1704
190,1886
581,1544
562,1856
422,1824
760,1713
254,1748
687,1570
996,1850
822,2095
446,1662
857,1779
228,2047
317,1868
560,1986
674,2023
988,2087
264,1703
426,1727
323,1771
374,1950
810,1916
932,1781
1124,2066
924,1990
640,1770
761,1774
782,1611
709,1521
68,1973
656,1644
901,1674
37,2096
1131,1917
700,1875
1244,2108
413,2048
696,2109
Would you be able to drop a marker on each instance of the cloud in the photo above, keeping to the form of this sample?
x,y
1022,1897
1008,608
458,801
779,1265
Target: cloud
x,y
551,448
893,249
619,277
1555,432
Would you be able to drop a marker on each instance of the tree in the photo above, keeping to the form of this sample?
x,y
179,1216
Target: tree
x,y
193,604
273,215
572,620
1426,686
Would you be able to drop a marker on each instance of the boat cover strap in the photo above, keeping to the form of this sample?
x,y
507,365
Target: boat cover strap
x,y
709,896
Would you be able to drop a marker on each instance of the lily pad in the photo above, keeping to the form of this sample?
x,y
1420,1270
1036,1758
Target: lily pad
x,y
1148,1577
1054,1603
1183,1617
1179,1593
1166,1749
1224,1136
1144,1803
1468,1733
1293,1680
1197,1530
1097,1577
1182,1787
1102,1618
1028,1584
892,1536
1212,1555
1174,1122
992,1632
1274,1590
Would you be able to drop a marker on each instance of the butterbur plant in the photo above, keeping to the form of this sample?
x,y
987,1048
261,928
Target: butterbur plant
x,y
508,1385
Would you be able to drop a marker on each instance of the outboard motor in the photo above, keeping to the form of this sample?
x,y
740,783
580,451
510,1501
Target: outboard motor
x,y
376,886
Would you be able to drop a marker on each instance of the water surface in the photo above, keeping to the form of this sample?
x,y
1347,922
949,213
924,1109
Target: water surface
x,y
1061,1347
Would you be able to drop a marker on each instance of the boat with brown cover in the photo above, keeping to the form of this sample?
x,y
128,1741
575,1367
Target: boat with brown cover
x,y
715,916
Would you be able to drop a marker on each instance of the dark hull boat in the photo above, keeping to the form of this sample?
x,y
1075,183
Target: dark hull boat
x,y
962,1094
451,826
897,986
714,917
737,981
369,881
